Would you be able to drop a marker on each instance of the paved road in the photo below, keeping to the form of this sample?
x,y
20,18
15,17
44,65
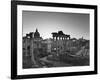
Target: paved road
x,y
54,63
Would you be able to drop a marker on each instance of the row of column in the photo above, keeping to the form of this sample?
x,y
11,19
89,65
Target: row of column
x,y
60,38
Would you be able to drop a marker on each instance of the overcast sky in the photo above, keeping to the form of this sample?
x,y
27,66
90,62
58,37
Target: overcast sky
x,y
74,24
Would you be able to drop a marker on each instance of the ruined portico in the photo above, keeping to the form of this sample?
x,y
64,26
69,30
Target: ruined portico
x,y
59,42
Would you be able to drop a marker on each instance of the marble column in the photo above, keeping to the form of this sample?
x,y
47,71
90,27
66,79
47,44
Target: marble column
x,y
53,38
59,38
56,38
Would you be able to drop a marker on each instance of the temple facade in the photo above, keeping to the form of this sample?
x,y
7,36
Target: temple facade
x,y
59,42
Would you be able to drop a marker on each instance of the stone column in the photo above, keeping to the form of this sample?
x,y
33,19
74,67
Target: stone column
x,y
62,38
53,38
69,37
57,45
59,37
65,38
56,38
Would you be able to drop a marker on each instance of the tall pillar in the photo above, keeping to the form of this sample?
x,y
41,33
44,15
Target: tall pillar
x,y
57,45
65,38
69,37
59,37
53,38
62,38
56,38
